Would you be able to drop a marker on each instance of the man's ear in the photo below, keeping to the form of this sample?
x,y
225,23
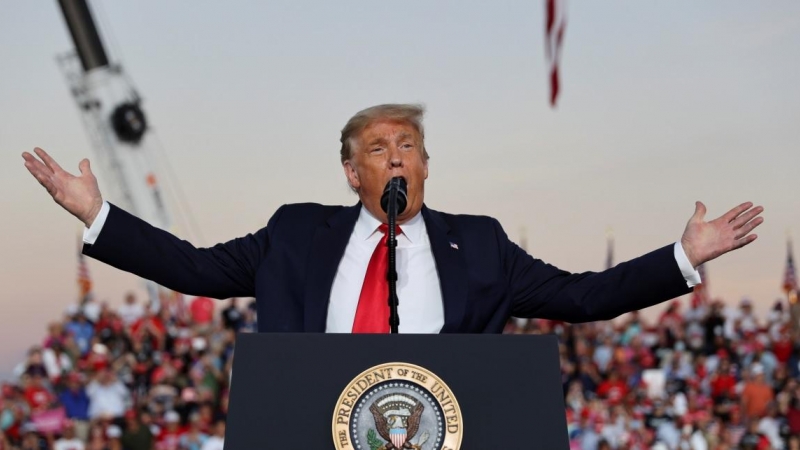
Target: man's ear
x,y
351,174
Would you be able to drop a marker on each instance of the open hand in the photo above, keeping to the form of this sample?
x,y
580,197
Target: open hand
x,y
703,241
79,195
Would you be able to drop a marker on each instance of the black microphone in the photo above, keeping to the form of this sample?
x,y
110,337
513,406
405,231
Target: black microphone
x,y
398,184
393,203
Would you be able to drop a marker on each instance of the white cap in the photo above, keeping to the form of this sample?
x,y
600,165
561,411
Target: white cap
x,y
113,431
756,369
100,349
172,416
199,343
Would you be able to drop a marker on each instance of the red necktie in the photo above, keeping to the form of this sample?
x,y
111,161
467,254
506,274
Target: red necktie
x,y
372,315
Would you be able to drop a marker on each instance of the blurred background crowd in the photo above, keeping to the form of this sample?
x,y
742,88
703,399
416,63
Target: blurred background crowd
x,y
141,377
705,376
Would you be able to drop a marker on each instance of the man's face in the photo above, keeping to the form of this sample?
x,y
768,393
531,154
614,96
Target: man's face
x,y
383,150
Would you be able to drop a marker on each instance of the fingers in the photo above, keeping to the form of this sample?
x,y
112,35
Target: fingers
x,y
48,161
43,174
43,179
747,217
39,171
748,227
735,212
745,241
34,165
699,211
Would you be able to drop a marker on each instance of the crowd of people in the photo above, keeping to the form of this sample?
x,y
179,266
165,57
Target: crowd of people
x,y
156,376
709,377
138,377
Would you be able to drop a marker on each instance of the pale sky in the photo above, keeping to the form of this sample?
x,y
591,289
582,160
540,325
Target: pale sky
x,y
663,103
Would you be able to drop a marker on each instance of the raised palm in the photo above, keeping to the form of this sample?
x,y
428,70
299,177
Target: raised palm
x,y
79,195
703,241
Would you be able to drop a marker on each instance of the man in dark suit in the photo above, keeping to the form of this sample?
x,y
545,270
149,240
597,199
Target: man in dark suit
x,y
318,268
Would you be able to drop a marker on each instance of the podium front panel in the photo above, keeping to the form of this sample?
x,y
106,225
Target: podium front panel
x,y
285,387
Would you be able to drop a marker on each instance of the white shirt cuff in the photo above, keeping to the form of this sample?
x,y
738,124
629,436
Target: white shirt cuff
x,y
689,273
90,234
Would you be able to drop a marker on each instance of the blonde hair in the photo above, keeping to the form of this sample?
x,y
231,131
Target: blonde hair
x,y
393,111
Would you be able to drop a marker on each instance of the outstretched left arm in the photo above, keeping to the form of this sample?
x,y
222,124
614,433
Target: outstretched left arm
x,y
541,290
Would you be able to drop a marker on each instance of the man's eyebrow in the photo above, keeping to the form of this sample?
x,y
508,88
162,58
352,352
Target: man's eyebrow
x,y
405,135
377,140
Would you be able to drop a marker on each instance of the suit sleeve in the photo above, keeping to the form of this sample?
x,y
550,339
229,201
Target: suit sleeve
x,y
222,271
541,290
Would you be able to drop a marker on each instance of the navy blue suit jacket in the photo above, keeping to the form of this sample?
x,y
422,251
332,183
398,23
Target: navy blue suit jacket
x,y
290,264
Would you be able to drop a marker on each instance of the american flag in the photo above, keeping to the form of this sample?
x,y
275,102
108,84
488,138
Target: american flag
x,y
790,276
555,24
84,280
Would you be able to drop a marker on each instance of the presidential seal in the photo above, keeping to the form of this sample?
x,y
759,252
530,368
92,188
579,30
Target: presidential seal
x,y
397,406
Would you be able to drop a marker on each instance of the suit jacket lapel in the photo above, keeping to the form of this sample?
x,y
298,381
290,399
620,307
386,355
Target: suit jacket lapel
x,y
451,267
327,249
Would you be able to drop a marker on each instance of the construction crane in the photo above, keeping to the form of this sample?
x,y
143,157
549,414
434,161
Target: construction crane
x,y
124,145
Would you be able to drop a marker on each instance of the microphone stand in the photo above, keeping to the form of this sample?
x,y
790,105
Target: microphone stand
x,y
391,275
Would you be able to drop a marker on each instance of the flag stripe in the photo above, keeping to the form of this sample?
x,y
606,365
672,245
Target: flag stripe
x,y
555,25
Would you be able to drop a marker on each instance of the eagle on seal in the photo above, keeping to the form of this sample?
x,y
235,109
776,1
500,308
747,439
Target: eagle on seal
x,y
397,434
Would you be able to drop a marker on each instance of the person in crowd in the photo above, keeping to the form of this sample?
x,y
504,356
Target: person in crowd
x,y
56,361
170,436
757,394
68,439
137,434
97,437
202,311
76,404
217,440
81,330
114,437
131,310
37,393
194,438
31,440
108,397
232,316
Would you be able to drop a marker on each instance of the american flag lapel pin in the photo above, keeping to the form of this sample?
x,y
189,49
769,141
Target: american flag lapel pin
x,y
454,245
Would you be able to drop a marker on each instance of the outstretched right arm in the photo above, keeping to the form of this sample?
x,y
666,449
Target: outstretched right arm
x,y
131,244
222,271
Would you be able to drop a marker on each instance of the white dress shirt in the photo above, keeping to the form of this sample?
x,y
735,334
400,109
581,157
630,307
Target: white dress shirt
x,y
420,306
